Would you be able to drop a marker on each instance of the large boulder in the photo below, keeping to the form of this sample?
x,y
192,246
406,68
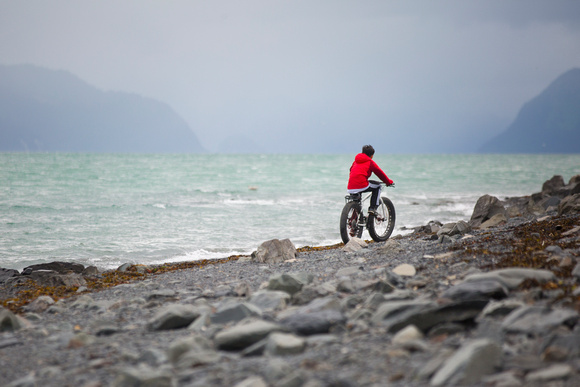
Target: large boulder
x,y
275,251
5,274
550,187
58,267
569,205
486,207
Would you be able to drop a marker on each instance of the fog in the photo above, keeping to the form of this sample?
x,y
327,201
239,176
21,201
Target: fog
x,y
311,76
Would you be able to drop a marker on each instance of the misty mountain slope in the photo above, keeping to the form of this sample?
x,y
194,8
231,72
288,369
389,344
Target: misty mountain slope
x,y
549,123
47,110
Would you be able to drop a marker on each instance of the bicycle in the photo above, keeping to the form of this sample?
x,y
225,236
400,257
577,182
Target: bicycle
x,y
353,218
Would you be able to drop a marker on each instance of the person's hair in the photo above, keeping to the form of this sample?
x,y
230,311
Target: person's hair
x,y
368,150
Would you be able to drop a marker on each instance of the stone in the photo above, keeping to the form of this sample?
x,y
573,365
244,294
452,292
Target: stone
x,y
275,251
5,274
174,316
9,321
252,381
494,221
348,271
469,364
57,267
354,244
476,290
553,185
513,277
311,292
501,308
569,205
234,312
314,322
270,300
143,376
407,334
405,270
245,334
39,305
538,319
553,372
486,207
425,315
282,344
290,283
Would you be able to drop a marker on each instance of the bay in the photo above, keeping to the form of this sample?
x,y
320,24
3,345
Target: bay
x,y
108,209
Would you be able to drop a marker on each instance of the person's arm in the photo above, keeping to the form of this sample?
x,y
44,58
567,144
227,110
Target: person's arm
x,y
380,174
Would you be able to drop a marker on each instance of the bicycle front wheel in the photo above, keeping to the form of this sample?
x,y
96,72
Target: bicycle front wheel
x,y
382,224
349,227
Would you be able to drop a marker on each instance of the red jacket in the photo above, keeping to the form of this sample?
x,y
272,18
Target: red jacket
x,y
360,171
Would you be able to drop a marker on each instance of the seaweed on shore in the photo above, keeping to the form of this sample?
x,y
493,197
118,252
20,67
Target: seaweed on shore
x,y
525,246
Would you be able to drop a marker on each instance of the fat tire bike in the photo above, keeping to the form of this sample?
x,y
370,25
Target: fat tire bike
x,y
354,219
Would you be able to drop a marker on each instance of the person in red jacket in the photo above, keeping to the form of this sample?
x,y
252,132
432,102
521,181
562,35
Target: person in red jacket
x,y
360,171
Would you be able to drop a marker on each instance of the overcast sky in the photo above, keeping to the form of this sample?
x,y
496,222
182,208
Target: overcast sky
x,y
310,75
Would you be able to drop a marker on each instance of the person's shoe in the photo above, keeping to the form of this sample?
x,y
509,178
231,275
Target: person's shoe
x,y
372,210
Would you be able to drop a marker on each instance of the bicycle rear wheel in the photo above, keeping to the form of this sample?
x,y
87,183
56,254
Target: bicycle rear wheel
x,y
349,227
382,224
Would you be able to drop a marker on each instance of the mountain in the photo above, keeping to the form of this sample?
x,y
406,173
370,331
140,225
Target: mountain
x,y
549,123
55,111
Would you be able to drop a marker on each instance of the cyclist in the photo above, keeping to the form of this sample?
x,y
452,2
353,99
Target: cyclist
x,y
360,171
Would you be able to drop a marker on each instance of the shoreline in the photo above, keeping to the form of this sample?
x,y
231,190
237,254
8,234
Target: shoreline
x,y
416,310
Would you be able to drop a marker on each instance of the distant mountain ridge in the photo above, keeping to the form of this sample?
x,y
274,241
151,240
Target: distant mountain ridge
x,y
55,111
549,123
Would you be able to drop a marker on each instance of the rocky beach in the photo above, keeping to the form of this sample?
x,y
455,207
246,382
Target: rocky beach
x,y
491,301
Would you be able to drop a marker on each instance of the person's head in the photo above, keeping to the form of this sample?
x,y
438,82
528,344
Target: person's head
x,y
368,150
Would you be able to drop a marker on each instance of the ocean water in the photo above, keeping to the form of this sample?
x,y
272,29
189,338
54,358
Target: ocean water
x,y
108,209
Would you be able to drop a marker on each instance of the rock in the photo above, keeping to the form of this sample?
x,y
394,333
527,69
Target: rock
x,y
124,267
476,290
290,283
281,344
503,379
565,344
501,308
551,186
9,321
245,334
486,207
553,372
425,315
538,319
311,292
469,364
5,274
494,221
90,271
143,376
174,316
348,271
460,228
234,312
569,205
54,279
513,277
313,323
39,305
252,381
58,267
26,381
354,244
270,300
391,246
275,251
405,270
407,334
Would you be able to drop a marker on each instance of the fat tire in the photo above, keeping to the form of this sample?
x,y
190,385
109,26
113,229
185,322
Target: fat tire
x,y
349,221
387,210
